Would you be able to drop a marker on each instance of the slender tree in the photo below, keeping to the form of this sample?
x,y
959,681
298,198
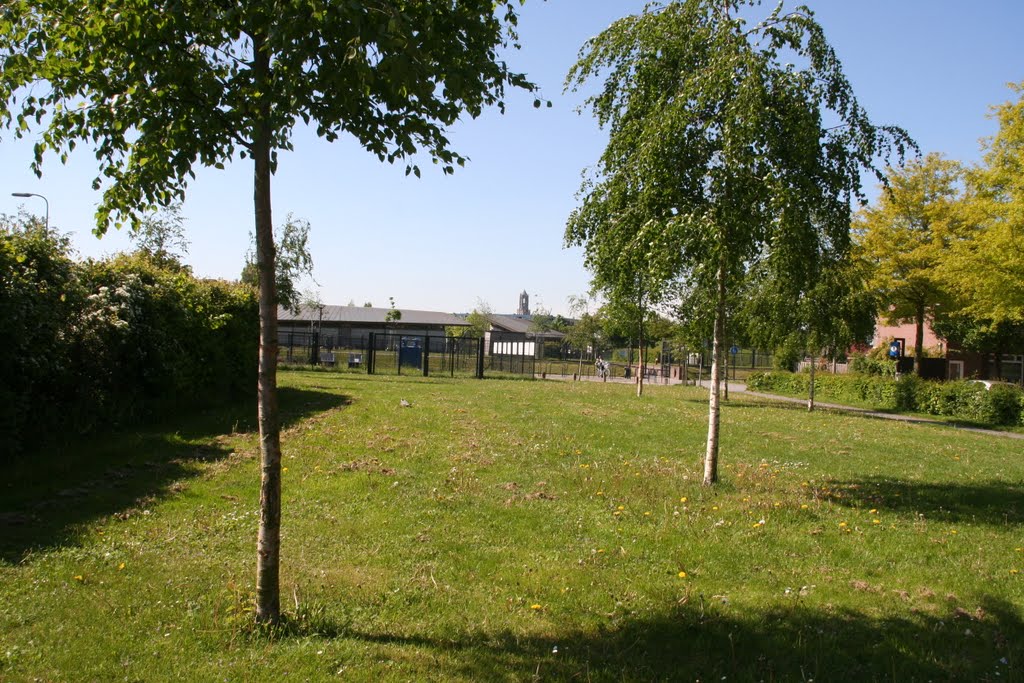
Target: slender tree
x,y
726,142
161,236
821,318
292,262
157,88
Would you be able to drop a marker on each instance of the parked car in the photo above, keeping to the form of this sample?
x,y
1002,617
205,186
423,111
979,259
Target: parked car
x,y
989,383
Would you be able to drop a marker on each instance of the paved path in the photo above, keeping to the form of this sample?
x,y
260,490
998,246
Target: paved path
x,y
741,388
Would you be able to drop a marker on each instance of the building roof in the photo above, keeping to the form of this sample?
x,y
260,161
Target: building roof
x,y
365,315
522,325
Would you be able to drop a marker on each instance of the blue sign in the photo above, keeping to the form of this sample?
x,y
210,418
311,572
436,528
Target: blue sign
x,y
734,350
894,350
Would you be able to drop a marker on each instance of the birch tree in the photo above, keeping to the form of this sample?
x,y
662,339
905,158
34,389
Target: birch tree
x,y
155,88
727,142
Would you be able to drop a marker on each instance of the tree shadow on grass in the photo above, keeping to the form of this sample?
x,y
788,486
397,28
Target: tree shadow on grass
x,y
991,502
50,496
693,642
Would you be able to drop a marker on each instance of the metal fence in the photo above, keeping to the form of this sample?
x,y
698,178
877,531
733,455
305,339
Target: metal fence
x,y
425,355
384,353
506,354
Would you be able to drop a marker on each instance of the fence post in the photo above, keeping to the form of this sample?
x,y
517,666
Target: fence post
x,y
371,354
480,358
426,355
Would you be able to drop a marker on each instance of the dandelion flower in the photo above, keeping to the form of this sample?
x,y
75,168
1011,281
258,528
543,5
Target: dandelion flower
x,y
120,566
872,511
682,575
535,607
804,506
79,578
876,521
683,500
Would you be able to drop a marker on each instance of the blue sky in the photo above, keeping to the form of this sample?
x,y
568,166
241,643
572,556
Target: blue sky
x,y
495,228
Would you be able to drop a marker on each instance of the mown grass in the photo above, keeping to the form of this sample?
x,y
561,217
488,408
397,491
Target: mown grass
x,y
503,530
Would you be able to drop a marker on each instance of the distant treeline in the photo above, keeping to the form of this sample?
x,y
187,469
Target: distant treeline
x,y
90,345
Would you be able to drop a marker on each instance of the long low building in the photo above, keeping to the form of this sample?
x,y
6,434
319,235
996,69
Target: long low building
x,y
350,326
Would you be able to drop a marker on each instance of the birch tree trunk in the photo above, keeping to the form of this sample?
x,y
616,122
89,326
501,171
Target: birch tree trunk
x,y
810,388
640,345
714,410
268,545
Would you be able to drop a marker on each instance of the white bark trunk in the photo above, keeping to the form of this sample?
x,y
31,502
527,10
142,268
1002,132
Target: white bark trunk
x,y
714,407
810,388
268,595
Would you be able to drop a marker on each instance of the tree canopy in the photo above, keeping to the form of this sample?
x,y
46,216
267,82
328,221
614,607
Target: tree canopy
x,y
294,261
905,235
986,270
727,142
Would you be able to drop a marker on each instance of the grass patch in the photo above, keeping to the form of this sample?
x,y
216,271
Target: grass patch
x,y
522,531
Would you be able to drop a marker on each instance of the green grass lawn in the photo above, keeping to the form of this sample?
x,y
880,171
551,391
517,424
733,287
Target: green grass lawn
x,y
518,531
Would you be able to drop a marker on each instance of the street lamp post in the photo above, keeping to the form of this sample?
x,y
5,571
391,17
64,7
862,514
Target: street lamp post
x,y
33,194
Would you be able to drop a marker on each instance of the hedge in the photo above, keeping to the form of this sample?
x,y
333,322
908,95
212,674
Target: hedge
x,y
1001,405
99,344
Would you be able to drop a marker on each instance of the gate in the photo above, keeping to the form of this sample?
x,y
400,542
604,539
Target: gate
x,y
390,353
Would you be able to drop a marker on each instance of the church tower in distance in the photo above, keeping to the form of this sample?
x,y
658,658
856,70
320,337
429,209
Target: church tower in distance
x,y
524,304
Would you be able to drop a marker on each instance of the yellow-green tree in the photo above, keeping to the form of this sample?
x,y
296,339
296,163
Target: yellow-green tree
x,y
904,237
986,270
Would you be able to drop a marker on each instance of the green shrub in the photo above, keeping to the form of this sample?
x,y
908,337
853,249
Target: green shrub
x,y
102,343
870,365
1002,405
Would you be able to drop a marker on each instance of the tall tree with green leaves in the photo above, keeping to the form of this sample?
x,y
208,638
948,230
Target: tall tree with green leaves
x,y
161,236
292,261
985,270
727,141
820,318
157,88
905,235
